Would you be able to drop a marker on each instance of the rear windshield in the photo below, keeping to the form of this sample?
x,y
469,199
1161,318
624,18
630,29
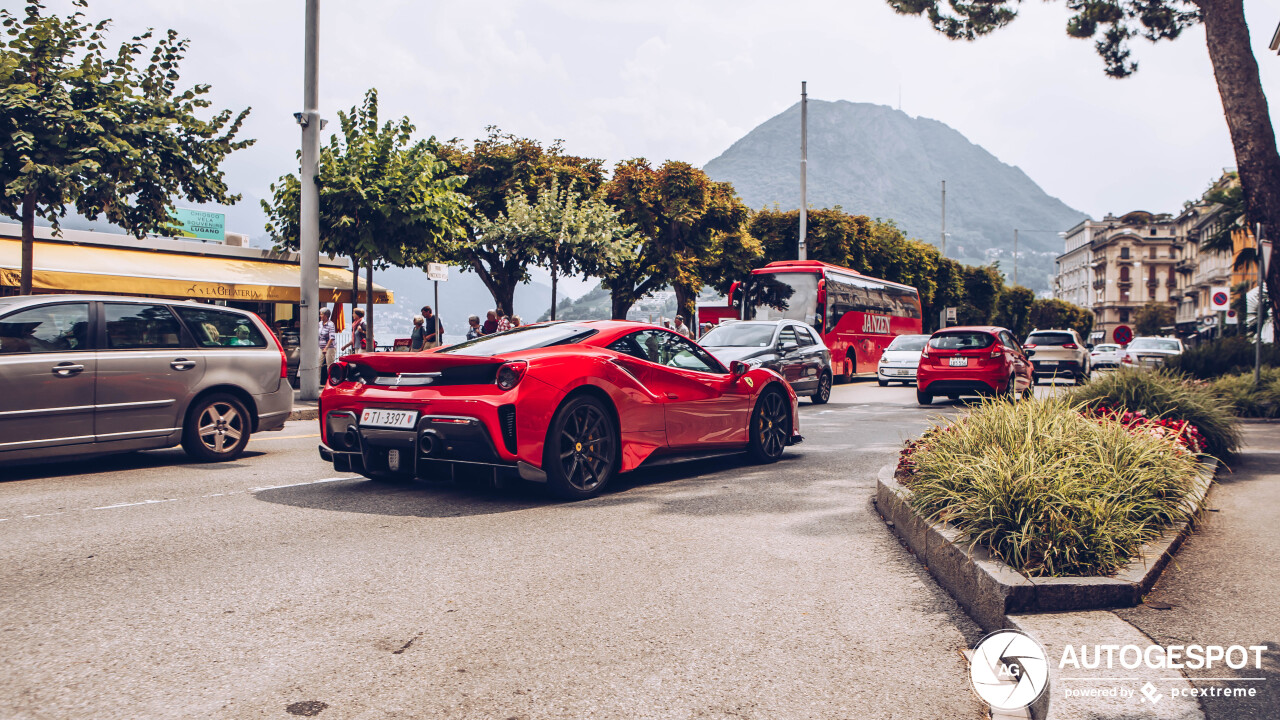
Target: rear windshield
x,y
1154,344
961,340
1106,348
739,335
912,343
1050,338
522,338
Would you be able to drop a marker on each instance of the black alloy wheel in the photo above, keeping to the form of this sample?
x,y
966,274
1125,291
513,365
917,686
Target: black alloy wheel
x,y
582,449
823,393
770,427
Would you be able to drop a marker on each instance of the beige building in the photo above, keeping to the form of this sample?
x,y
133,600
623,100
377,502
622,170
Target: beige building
x,y
1133,259
1073,281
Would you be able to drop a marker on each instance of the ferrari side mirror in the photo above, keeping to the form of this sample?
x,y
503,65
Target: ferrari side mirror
x,y
737,369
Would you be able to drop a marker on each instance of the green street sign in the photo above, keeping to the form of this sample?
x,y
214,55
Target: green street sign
x,y
200,224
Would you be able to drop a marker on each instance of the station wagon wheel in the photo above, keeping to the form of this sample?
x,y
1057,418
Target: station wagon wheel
x,y
581,450
217,428
824,389
770,427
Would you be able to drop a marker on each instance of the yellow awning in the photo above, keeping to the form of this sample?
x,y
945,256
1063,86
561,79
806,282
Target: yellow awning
x,y
91,269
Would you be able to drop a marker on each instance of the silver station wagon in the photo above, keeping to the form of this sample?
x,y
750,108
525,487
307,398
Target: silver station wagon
x,y
92,375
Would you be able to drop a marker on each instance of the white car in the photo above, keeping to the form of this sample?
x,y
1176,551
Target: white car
x,y
900,360
1149,353
1106,355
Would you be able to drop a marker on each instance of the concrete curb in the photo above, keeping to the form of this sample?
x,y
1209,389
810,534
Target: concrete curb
x,y
990,591
305,414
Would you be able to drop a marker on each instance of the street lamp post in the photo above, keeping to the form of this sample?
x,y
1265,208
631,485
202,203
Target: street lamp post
x,y
804,168
309,221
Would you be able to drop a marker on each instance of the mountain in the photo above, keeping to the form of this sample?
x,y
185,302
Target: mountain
x,y
876,161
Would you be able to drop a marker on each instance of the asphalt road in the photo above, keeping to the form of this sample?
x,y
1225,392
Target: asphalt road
x,y
142,586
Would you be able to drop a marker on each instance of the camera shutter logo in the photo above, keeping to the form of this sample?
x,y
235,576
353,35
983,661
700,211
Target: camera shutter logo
x,y
1008,670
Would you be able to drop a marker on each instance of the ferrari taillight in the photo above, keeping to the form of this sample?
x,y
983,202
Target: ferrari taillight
x,y
337,373
511,373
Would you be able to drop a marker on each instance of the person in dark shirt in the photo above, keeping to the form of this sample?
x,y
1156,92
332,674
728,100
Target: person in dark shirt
x,y
490,324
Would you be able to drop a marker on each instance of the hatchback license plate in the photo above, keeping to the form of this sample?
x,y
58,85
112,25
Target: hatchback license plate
x,y
402,419
959,362
1049,363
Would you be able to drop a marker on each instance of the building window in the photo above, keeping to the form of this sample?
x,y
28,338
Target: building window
x,y
1151,293
1124,316
1154,230
1124,253
1124,296
1151,253
1151,270
1124,273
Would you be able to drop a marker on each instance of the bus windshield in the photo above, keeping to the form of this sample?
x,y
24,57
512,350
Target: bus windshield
x,y
782,296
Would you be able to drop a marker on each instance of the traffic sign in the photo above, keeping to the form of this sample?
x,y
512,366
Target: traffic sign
x,y
1233,318
1219,299
438,272
1123,334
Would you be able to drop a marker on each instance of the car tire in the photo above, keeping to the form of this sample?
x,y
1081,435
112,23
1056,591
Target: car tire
x,y
581,452
211,422
882,383
823,393
924,398
770,428
1011,392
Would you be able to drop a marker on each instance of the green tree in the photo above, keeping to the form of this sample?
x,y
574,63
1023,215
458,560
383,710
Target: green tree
x,y
110,135
385,199
982,287
831,235
1115,23
690,229
1054,314
497,166
1150,318
562,230
1014,310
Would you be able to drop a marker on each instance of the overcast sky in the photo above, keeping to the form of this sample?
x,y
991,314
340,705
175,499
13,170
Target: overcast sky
x,y
683,79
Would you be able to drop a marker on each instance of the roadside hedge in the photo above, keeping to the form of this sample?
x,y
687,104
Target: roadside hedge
x,y
1221,357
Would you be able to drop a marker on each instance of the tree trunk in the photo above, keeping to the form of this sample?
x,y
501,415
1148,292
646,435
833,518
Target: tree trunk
x,y
1252,136
553,290
355,282
368,310
28,242
686,302
621,305
505,297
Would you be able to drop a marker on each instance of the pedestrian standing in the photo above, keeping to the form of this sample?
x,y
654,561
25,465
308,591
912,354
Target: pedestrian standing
x,y
434,329
328,344
680,327
418,337
473,331
490,323
358,332
503,323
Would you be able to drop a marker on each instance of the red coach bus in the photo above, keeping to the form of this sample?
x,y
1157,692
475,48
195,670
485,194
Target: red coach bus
x,y
856,315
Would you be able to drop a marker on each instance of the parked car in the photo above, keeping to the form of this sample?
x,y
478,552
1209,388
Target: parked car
x,y
900,359
1059,353
93,375
1150,352
569,404
972,361
790,348
1106,355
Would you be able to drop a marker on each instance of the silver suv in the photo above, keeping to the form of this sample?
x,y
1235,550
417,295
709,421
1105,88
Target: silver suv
x,y
1058,353
92,375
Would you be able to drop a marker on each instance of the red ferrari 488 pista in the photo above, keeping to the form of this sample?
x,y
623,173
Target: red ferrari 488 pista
x,y
570,404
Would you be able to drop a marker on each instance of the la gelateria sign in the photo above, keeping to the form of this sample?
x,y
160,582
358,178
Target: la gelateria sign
x,y
200,224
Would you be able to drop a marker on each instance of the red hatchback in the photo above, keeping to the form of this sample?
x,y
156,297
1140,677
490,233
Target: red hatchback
x,y
972,361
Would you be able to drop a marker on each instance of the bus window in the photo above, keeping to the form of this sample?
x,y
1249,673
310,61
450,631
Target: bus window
x,y
783,296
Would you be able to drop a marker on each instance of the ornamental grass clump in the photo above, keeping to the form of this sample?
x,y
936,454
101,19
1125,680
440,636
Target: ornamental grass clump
x,y
1248,399
1048,490
1162,395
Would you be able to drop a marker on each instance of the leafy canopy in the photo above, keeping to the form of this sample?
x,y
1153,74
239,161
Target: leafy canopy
x,y
383,196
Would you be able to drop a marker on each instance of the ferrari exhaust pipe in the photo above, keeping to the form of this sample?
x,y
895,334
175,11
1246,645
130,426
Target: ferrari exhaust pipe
x,y
429,442
351,438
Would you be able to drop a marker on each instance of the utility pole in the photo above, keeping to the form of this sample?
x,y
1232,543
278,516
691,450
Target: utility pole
x,y
804,166
1015,257
309,222
944,218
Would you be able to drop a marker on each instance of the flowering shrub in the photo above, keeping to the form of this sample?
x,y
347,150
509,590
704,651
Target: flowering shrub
x,y
1180,431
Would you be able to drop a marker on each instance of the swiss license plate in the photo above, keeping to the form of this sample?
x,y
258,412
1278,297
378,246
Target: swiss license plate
x,y
402,419
901,372
1049,363
959,362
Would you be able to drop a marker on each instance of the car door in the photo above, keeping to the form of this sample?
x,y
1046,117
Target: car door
x,y
811,354
790,359
47,371
147,371
701,404
1016,360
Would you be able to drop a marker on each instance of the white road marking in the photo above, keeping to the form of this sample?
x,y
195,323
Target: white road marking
x,y
211,495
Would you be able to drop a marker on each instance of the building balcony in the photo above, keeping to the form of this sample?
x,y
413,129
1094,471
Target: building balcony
x,y
1099,284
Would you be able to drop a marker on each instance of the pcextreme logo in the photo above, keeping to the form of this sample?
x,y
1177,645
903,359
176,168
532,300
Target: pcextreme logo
x,y
1008,670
